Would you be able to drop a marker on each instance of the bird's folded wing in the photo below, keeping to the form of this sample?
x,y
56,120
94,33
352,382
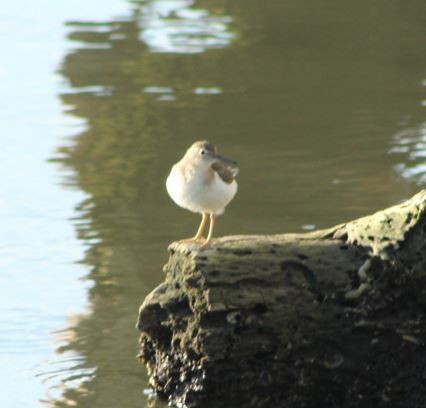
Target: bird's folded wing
x,y
225,173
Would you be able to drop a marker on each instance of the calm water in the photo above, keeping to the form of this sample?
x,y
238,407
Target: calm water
x,y
322,103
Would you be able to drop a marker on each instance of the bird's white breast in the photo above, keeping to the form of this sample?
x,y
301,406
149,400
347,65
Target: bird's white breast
x,y
197,192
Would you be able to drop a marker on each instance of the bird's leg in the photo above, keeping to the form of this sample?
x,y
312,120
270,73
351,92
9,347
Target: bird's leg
x,y
199,234
201,228
210,234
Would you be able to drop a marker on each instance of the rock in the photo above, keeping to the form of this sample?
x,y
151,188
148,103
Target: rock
x,y
328,318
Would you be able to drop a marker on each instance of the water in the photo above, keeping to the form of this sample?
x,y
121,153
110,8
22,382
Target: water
x,y
323,105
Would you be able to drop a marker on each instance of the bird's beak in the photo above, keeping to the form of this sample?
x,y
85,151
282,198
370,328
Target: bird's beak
x,y
223,159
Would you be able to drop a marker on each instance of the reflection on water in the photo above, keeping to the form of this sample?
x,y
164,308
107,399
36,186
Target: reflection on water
x,y
308,102
410,147
174,26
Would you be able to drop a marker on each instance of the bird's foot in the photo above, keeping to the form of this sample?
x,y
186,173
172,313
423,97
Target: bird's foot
x,y
206,245
193,240
195,244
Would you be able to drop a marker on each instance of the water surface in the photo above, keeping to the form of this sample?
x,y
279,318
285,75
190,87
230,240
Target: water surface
x,y
323,106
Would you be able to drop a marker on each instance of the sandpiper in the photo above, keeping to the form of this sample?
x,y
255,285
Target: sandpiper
x,y
203,182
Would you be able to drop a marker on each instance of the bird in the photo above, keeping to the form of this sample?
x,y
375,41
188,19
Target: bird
x,y
203,182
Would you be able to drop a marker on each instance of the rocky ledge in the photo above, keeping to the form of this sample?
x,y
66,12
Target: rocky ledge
x,y
331,318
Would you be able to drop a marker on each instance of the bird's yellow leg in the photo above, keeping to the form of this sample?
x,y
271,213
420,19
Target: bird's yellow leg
x,y
199,234
211,229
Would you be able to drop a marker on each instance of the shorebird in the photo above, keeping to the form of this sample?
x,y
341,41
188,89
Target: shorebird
x,y
203,182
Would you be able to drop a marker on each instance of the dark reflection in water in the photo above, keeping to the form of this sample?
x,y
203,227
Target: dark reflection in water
x,y
308,97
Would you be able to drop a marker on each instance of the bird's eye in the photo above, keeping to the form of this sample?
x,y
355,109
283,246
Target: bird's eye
x,y
202,152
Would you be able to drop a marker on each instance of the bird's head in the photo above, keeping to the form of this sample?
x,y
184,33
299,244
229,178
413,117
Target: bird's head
x,y
204,154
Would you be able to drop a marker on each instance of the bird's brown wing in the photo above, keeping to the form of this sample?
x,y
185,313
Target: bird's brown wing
x,y
225,173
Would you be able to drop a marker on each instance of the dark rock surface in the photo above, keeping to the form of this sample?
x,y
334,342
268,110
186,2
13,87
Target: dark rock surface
x,y
332,318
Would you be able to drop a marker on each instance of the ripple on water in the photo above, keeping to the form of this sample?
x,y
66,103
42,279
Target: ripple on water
x,y
410,146
172,26
66,370
207,91
158,89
